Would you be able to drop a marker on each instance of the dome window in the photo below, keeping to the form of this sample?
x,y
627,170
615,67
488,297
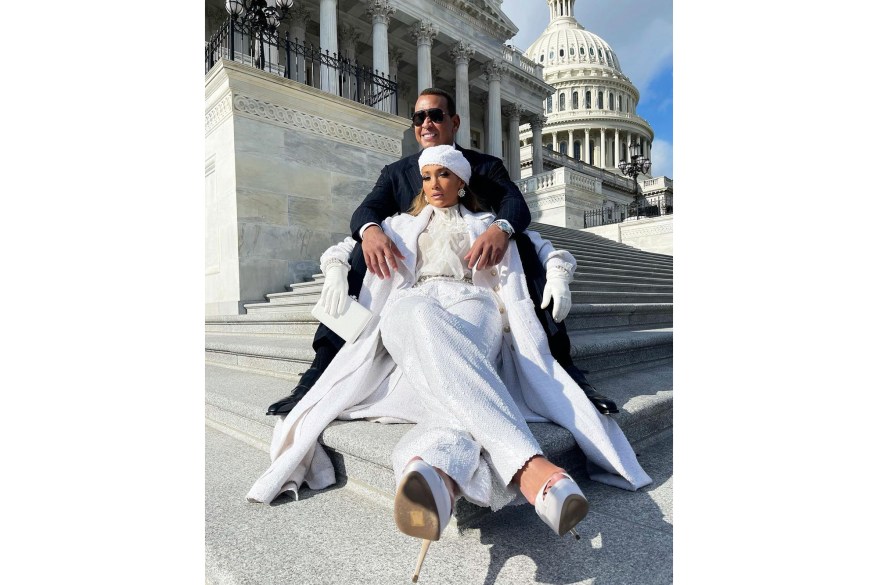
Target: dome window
x,y
577,150
600,100
542,57
549,105
582,50
575,105
588,100
562,148
561,102
601,53
560,52
591,51
572,51
551,54
612,101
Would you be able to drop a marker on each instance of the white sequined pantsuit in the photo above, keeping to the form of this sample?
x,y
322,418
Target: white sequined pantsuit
x,y
446,336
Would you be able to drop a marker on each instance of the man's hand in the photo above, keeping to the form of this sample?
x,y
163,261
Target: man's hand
x,y
488,249
380,252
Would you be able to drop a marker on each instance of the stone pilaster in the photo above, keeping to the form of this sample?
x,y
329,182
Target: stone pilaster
x,y
494,72
329,43
299,17
462,54
514,112
536,129
424,33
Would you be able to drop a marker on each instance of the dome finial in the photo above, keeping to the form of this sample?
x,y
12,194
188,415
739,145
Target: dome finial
x,y
560,9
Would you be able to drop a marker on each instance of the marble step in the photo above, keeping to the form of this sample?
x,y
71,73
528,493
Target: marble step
x,y
553,231
597,284
345,534
582,316
582,281
290,355
235,404
304,301
586,246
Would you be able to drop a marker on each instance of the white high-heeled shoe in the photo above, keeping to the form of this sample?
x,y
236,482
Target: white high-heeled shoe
x,y
422,506
563,507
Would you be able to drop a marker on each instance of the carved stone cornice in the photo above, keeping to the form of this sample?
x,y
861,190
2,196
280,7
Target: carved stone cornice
x,y
218,113
380,11
469,12
462,53
423,32
315,125
662,228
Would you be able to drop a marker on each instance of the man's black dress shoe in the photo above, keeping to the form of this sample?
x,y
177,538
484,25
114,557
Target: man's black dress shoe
x,y
285,405
601,402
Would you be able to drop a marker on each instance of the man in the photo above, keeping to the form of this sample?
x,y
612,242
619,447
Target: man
x,y
435,122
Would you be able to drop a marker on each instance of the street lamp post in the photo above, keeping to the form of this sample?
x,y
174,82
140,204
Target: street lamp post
x,y
259,17
638,165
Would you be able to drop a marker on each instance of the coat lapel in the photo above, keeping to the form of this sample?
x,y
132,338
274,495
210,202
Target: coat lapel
x,y
413,175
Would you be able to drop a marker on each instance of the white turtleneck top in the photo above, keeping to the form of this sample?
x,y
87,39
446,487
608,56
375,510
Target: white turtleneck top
x,y
442,246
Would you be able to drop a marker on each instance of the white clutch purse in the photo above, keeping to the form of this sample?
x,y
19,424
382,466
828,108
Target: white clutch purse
x,y
347,325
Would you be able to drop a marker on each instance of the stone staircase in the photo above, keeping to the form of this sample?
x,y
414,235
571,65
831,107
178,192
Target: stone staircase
x,y
620,328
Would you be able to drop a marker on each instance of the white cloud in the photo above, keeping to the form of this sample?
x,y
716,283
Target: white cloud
x,y
662,158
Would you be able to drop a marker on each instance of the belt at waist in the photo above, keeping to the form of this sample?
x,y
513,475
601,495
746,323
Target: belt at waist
x,y
429,277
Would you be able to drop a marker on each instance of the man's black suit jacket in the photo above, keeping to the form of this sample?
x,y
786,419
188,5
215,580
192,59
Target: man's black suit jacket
x,y
396,188
400,182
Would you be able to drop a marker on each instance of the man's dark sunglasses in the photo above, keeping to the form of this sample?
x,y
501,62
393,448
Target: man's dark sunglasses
x,y
435,114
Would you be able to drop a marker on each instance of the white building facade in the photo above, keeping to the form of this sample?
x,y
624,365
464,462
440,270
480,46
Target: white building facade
x,y
299,125
589,122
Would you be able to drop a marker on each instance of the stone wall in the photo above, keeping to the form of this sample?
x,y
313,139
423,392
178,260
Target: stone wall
x,y
655,234
286,165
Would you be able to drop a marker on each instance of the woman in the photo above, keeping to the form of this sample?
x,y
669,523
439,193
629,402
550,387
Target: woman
x,y
461,354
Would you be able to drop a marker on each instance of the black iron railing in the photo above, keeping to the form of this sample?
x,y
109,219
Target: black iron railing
x,y
619,214
301,62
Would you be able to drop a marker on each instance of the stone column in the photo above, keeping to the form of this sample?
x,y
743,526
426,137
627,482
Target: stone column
x,y
536,129
299,17
603,160
328,43
462,54
380,11
395,55
585,151
513,163
494,72
555,141
570,143
347,40
424,33
616,148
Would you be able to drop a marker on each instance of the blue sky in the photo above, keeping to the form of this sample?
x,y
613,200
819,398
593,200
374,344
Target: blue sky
x,y
641,34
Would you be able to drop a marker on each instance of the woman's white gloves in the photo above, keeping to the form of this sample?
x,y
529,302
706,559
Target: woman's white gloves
x,y
334,297
558,291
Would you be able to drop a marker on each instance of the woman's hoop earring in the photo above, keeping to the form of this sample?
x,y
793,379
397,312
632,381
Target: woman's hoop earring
x,y
425,198
462,193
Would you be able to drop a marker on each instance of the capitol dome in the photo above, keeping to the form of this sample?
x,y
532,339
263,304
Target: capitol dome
x,y
592,116
565,42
